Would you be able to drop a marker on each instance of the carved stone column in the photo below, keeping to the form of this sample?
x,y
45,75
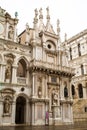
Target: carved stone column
x,y
15,33
46,87
1,111
33,113
14,72
7,25
13,112
3,72
27,112
33,84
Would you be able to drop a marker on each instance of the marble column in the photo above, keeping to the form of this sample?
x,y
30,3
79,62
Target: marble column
x,y
7,25
27,113
15,33
33,85
13,112
70,93
3,66
1,111
46,88
33,113
14,73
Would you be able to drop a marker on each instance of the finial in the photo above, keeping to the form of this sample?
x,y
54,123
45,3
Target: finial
x,y
35,18
36,13
58,28
65,37
27,28
41,15
48,16
16,14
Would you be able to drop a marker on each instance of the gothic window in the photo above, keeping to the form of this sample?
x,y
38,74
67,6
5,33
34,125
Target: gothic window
x,y
80,91
82,70
73,90
21,70
79,51
70,53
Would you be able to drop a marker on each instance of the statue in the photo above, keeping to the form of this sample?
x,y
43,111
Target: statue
x,y
10,32
54,98
27,28
65,91
36,13
8,73
6,106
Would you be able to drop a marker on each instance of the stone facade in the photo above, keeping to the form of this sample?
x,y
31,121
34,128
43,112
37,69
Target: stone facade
x,y
35,75
77,56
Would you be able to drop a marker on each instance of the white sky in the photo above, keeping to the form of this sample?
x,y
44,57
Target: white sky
x,y
71,13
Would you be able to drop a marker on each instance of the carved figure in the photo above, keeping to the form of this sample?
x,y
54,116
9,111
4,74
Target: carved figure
x,y
65,92
54,98
10,32
6,106
8,73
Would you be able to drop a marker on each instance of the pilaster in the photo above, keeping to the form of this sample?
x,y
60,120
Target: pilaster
x,y
14,72
13,112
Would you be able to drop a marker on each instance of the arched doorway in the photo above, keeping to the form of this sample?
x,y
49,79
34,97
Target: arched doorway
x,y
20,110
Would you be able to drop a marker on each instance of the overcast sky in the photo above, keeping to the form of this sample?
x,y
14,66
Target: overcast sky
x,y
71,13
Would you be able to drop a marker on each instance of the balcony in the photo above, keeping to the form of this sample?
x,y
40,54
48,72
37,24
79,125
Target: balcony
x,y
52,66
21,80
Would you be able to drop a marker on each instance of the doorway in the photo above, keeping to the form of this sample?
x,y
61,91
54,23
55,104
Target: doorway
x,y
20,110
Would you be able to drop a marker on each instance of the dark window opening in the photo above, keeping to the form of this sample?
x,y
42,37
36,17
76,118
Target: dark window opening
x,y
73,90
79,51
80,91
82,70
70,54
85,109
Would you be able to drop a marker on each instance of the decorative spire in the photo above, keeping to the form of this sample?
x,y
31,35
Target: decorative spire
x,y
58,27
41,25
48,16
41,15
35,18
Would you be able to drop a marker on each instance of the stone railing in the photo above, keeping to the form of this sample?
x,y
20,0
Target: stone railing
x,y
52,66
21,80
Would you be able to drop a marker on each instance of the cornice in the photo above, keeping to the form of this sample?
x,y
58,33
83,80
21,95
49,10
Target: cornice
x,y
82,33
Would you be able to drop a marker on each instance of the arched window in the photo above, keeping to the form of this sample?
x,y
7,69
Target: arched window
x,y
79,50
82,69
70,53
80,91
73,90
21,71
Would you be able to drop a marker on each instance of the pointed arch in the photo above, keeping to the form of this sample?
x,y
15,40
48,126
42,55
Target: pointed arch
x,y
22,67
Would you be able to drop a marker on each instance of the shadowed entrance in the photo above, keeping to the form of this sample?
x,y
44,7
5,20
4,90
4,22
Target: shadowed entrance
x,y
20,110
